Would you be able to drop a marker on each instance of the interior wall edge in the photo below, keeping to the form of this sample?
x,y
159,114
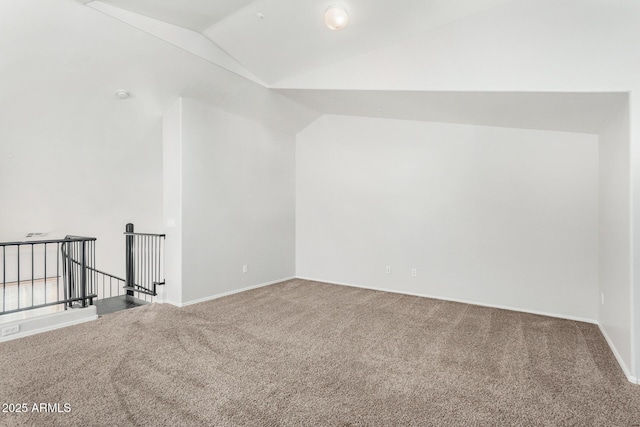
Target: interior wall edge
x,y
623,366
634,195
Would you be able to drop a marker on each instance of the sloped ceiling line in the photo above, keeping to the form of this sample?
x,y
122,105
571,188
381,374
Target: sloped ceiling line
x,y
291,37
186,39
237,24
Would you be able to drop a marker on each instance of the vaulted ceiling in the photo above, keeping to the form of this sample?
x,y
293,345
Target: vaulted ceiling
x,y
289,37
222,53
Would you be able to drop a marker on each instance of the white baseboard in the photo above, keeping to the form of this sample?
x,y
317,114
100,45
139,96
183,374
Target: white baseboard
x,y
503,307
49,322
224,294
174,303
623,366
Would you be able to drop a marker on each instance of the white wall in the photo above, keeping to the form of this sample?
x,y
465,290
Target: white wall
x,y
522,45
495,216
238,202
61,123
615,237
73,158
88,178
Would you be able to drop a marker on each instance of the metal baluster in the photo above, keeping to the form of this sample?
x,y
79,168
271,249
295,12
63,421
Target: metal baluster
x,y
156,239
4,278
140,264
94,276
83,275
72,269
45,273
65,271
76,271
32,270
58,271
18,277
92,264
146,265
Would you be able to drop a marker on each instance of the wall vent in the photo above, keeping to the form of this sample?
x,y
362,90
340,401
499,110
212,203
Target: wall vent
x,y
32,235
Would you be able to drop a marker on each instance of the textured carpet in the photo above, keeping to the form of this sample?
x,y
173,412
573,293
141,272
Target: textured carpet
x,y
304,353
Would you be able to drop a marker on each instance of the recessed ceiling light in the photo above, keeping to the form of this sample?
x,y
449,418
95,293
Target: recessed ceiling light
x,y
122,94
336,18
260,15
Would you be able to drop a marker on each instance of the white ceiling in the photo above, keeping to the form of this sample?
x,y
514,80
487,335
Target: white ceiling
x,y
558,111
292,38
196,15
68,59
61,63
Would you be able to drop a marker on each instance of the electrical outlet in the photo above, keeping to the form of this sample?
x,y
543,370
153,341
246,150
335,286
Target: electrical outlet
x,y
245,268
9,330
414,272
388,270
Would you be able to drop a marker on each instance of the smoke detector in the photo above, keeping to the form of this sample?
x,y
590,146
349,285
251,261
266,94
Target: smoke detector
x,y
122,94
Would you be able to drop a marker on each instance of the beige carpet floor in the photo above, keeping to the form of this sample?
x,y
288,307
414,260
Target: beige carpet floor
x,y
302,353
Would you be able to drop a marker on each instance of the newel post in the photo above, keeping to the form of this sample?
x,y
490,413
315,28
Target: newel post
x,y
130,263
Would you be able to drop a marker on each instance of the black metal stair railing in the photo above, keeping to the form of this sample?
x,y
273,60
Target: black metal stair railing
x,y
78,257
42,273
144,262
99,283
144,268
35,274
